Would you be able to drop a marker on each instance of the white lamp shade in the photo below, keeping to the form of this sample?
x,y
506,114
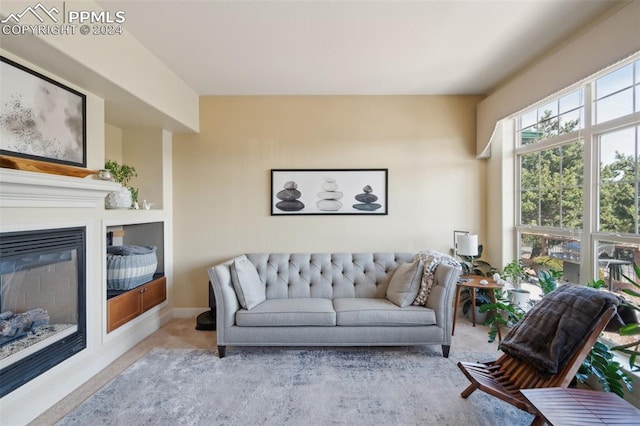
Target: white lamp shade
x,y
467,244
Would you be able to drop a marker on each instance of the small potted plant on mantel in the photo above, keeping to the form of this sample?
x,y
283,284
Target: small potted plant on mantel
x,y
127,196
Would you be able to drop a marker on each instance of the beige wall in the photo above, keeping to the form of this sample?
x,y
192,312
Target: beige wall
x,y
112,143
142,149
222,177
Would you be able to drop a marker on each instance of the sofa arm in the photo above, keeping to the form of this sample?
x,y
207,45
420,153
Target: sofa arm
x,y
442,295
227,303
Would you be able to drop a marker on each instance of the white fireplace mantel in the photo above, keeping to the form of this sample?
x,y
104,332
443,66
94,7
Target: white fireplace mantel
x,y
31,189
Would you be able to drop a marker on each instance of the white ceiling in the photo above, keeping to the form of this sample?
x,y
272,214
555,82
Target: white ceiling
x,y
351,47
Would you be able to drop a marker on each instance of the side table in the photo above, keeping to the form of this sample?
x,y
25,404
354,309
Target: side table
x,y
566,406
472,285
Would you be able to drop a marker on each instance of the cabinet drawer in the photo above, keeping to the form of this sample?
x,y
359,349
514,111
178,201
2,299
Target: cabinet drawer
x,y
154,293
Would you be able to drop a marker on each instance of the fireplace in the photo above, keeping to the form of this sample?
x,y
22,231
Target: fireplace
x,y
42,302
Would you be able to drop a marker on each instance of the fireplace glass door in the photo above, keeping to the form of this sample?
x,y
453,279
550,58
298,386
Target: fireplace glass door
x,y
42,302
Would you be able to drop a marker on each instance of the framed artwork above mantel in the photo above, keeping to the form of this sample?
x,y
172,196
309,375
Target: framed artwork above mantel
x,y
40,118
329,192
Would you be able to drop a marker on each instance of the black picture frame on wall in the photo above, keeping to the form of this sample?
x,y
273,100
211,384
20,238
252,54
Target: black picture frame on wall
x,y
40,118
329,192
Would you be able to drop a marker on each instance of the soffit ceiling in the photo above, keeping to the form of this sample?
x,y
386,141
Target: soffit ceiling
x,y
352,47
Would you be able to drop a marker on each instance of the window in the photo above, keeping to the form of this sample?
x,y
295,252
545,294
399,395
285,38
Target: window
x,y
551,179
578,198
614,93
561,116
551,186
618,181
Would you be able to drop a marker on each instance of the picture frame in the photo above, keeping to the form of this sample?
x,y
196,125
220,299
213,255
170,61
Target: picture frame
x,y
329,192
40,118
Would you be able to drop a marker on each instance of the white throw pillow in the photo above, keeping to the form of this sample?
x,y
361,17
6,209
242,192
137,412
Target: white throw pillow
x,y
405,283
249,289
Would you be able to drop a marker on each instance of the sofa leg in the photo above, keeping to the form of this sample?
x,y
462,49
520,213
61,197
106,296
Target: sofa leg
x,y
221,351
445,350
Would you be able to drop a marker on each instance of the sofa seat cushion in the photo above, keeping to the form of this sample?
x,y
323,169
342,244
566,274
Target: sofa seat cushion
x,y
289,312
380,312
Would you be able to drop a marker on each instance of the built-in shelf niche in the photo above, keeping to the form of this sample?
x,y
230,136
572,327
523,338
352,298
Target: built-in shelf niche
x,y
124,306
140,234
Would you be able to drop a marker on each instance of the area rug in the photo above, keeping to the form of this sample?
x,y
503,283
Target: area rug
x,y
294,386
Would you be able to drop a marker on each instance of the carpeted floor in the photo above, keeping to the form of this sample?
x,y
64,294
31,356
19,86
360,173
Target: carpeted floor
x,y
294,386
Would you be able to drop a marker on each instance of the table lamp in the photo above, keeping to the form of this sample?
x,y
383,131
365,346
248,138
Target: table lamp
x,y
465,244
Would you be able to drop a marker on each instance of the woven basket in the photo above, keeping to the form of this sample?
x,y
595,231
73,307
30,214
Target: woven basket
x,y
130,266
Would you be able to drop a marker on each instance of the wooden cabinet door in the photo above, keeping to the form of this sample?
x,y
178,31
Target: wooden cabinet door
x,y
154,293
123,308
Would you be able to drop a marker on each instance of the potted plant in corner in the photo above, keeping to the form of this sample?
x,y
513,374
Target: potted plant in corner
x,y
506,313
516,274
126,196
501,314
482,298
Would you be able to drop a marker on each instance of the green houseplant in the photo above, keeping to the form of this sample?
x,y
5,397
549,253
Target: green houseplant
x,y
516,274
473,265
633,327
500,314
121,173
483,297
600,362
507,313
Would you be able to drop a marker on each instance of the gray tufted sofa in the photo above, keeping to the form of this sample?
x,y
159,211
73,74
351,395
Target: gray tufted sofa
x,y
330,299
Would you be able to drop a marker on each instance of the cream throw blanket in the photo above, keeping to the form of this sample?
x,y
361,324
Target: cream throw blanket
x,y
430,259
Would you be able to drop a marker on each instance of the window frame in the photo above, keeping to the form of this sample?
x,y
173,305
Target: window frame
x,y
589,132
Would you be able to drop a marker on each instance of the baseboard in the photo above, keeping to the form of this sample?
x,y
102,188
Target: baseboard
x,y
188,312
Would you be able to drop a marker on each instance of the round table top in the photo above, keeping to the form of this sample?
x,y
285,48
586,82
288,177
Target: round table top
x,y
474,282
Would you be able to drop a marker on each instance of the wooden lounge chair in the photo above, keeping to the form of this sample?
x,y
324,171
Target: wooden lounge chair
x,y
504,377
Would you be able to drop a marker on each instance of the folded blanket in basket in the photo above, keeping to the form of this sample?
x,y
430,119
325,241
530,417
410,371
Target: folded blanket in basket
x,y
130,250
550,333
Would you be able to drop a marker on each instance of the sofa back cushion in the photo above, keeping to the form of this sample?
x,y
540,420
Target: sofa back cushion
x,y
327,275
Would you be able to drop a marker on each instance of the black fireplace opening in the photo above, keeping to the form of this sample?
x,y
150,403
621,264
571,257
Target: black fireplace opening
x,y
42,302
